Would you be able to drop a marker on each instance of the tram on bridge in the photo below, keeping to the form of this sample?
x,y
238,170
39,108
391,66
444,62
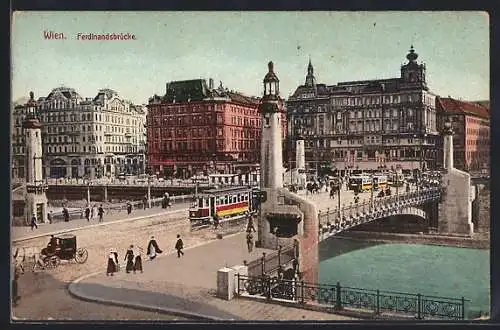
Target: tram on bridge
x,y
225,204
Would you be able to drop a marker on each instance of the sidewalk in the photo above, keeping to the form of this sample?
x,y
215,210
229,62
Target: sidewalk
x,y
187,286
25,232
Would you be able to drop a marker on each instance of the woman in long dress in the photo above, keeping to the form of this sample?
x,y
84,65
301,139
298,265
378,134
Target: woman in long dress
x,y
112,263
153,248
129,256
138,260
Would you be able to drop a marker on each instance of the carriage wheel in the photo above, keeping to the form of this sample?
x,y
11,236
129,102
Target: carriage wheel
x,y
52,262
81,255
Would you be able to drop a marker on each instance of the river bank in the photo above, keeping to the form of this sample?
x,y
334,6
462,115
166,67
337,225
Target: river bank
x,y
476,242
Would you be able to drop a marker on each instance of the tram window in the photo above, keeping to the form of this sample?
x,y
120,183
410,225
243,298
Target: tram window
x,y
238,198
225,200
207,202
200,202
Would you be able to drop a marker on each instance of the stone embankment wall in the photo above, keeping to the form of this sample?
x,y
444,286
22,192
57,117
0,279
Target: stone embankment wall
x,y
429,239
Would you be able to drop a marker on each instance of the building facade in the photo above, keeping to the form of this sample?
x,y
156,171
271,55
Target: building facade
x,y
196,128
366,125
84,137
471,133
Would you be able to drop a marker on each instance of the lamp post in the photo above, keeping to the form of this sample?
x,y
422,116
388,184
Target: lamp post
x,y
149,191
88,192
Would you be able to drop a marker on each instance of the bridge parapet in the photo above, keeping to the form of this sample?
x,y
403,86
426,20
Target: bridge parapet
x,y
334,221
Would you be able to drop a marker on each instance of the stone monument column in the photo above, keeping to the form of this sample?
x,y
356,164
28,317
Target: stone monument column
x,y
455,208
35,198
296,220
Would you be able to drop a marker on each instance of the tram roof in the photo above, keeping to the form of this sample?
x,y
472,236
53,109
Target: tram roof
x,y
225,190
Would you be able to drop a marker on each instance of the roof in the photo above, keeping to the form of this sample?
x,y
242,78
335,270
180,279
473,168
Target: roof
x,y
197,90
450,105
226,190
184,90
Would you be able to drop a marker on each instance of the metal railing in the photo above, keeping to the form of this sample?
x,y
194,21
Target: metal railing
x,y
272,262
117,208
376,301
335,220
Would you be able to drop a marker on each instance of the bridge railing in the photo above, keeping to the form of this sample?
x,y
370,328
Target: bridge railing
x,y
272,262
375,301
332,215
112,208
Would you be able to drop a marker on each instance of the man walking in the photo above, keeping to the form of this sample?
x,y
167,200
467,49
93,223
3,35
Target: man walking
x,y
179,245
250,241
33,222
87,213
100,212
65,213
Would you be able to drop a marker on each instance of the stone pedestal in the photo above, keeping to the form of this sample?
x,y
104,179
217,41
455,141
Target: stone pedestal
x,y
242,271
36,204
225,283
455,209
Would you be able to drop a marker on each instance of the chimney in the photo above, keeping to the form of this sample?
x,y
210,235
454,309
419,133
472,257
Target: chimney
x,y
210,83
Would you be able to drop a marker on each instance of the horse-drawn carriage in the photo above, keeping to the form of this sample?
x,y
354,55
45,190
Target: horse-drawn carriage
x,y
66,249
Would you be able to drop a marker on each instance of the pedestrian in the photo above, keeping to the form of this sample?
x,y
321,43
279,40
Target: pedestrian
x,y
129,257
138,260
65,214
112,263
250,226
167,200
87,213
33,222
15,291
216,221
179,245
153,248
250,241
92,211
145,202
100,212
129,208
49,216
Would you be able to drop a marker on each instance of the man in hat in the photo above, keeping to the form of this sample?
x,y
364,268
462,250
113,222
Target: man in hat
x,y
33,222
179,245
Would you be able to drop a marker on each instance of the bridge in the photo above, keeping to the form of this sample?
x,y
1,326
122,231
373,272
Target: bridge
x,y
419,203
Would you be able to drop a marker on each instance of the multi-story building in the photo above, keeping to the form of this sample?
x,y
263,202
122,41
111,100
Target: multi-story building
x,y
367,125
471,138
197,128
88,137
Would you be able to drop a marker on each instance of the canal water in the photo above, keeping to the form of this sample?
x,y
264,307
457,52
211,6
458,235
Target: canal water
x,y
412,268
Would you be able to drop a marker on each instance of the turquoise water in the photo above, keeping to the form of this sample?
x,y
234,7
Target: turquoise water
x,y
425,269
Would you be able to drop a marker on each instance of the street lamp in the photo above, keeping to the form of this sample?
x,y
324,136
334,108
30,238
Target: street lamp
x,y
149,191
88,192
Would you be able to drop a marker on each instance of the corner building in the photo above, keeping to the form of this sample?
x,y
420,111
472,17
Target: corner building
x,y
368,125
471,133
84,137
197,128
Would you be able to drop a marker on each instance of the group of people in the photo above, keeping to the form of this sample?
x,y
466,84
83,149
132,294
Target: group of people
x,y
90,212
133,256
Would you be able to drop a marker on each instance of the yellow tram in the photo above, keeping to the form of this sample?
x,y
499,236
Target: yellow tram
x,y
225,203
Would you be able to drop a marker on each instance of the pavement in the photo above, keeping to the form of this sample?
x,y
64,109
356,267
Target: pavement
x,y
25,233
187,286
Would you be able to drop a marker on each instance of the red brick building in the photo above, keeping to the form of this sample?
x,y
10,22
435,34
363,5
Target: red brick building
x,y
471,126
197,128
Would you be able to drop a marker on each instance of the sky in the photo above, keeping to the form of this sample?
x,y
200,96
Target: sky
x,y
235,47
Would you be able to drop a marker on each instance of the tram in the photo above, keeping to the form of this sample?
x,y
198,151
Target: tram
x,y
379,181
396,180
360,183
227,204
